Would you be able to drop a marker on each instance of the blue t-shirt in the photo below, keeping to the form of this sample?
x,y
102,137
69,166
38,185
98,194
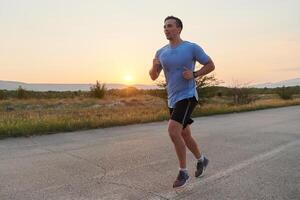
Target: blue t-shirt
x,y
173,60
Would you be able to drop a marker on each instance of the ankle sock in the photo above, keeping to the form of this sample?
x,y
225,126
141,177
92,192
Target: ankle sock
x,y
201,159
183,169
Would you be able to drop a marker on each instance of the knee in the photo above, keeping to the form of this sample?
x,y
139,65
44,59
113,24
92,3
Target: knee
x,y
174,131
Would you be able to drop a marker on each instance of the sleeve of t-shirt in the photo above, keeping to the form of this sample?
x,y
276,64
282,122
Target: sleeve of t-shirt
x,y
200,55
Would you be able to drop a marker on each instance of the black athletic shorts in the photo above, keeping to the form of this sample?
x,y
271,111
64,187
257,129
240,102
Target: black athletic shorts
x,y
182,111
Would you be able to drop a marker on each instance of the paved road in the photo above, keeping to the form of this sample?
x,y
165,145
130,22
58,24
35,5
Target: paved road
x,y
254,155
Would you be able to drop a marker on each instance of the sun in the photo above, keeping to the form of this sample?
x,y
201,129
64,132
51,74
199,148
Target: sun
x,y
128,79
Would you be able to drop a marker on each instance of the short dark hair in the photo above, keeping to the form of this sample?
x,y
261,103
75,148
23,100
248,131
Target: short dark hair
x,y
178,21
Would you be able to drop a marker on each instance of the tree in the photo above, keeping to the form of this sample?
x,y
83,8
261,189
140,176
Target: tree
x,y
241,93
206,86
201,82
207,81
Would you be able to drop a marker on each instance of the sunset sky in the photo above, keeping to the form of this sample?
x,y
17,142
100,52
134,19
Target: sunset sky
x,y
75,41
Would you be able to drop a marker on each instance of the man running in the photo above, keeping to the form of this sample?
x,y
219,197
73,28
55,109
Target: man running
x,y
177,60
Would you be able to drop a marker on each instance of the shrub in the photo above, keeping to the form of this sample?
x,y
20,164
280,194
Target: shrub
x,y
285,93
98,90
22,93
2,95
219,93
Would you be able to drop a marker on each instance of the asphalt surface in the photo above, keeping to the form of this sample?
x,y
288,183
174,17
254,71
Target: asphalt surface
x,y
253,155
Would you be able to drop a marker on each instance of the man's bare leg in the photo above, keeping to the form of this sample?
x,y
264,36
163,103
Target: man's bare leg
x,y
193,147
190,142
175,129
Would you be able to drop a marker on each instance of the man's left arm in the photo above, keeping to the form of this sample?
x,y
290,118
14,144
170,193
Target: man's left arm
x,y
206,69
201,57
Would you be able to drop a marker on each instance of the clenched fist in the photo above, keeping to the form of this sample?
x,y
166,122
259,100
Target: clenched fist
x,y
154,71
187,74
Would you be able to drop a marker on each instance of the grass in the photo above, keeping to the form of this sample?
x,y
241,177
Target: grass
x,y
212,109
46,116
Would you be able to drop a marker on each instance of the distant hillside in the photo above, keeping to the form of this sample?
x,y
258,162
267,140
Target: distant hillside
x,y
13,85
290,82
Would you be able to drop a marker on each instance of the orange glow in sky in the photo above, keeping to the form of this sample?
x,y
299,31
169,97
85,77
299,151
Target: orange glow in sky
x,y
128,79
54,41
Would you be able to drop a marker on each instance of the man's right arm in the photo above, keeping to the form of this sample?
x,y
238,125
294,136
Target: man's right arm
x,y
155,70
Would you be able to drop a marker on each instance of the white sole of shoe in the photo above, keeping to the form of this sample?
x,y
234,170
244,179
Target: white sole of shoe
x,y
183,184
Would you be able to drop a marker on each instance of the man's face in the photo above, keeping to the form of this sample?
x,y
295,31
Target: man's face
x,y
171,30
